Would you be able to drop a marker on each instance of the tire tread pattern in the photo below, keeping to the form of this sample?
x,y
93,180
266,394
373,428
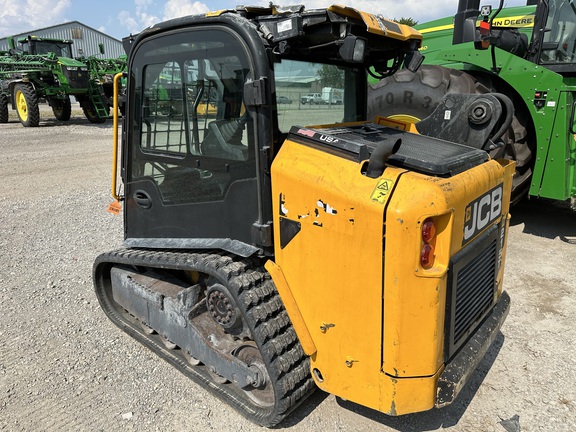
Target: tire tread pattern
x,y
417,94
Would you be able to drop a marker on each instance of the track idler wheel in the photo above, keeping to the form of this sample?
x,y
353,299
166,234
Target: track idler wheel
x,y
261,392
223,309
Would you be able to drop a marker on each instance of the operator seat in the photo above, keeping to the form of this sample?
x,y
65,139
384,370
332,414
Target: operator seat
x,y
224,140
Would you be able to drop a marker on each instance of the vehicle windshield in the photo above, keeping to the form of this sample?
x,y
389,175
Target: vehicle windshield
x,y
191,117
560,36
61,49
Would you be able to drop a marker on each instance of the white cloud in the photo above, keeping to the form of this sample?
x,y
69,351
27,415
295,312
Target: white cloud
x,y
144,13
129,22
179,8
416,9
17,16
140,18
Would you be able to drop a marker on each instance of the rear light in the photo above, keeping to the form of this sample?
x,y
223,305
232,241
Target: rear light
x,y
427,255
428,230
429,239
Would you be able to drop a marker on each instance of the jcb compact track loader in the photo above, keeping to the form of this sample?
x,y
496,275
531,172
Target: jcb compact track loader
x,y
263,257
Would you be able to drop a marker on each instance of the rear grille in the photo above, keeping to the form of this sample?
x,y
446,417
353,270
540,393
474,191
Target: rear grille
x,y
471,288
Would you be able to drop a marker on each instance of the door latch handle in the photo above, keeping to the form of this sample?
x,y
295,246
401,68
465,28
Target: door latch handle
x,y
142,199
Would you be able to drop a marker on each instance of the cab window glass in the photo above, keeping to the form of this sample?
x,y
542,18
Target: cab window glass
x,y
309,94
560,38
193,134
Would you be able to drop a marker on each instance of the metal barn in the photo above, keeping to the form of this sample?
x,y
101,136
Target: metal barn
x,y
85,39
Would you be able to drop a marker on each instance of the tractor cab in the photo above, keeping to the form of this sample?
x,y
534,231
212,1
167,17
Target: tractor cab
x,y
37,46
205,121
558,50
543,31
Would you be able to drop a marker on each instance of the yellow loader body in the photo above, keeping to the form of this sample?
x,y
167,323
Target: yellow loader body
x,y
371,317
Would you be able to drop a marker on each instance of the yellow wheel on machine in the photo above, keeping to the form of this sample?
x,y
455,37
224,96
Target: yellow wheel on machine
x,y
27,104
405,118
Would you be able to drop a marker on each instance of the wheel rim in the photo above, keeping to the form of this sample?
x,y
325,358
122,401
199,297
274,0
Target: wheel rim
x,y
21,106
405,118
58,108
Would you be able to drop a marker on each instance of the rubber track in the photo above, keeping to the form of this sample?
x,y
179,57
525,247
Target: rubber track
x,y
263,312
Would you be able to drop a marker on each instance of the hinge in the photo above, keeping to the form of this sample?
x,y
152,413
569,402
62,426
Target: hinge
x,y
262,234
255,92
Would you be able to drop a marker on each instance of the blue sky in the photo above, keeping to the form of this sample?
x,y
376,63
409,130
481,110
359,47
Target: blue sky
x,y
120,18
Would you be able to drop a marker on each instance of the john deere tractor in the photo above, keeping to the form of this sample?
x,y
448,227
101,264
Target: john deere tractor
x,y
43,68
526,52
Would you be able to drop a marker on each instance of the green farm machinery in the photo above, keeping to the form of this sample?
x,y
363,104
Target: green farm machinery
x,y
44,69
527,53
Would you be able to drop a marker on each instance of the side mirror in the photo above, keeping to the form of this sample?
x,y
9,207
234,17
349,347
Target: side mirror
x,y
413,60
101,46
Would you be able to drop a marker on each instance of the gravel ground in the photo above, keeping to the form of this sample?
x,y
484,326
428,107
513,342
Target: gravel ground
x,y
65,366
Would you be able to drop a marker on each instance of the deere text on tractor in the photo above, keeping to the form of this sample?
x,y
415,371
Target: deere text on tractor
x,y
526,53
270,250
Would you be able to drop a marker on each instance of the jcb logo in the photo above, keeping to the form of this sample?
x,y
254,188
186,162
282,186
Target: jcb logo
x,y
482,211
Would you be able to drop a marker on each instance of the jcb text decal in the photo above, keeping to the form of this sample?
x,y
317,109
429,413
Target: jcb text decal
x,y
482,211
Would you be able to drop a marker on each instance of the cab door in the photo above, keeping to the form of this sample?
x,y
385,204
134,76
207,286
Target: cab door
x,y
190,171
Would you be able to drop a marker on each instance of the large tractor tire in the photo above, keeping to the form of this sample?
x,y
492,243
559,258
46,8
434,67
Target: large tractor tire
x,y
27,105
62,108
3,108
409,96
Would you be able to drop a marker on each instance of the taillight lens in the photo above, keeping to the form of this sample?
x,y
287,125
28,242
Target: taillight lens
x,y
427,256
428,237
428,230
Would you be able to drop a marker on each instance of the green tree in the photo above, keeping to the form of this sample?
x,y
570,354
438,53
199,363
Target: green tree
x,y
331,76
407,21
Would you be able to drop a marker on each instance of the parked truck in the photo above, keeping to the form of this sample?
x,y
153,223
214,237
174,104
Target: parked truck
x,y
332,96
311,99
527,53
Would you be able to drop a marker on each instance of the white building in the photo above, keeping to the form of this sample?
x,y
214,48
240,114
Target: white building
x,y
86,40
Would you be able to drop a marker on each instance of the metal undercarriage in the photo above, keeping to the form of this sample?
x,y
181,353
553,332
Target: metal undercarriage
x,y
215,317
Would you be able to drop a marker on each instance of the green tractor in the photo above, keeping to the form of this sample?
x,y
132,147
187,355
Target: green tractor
x,y
102,72
43,68
527,53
